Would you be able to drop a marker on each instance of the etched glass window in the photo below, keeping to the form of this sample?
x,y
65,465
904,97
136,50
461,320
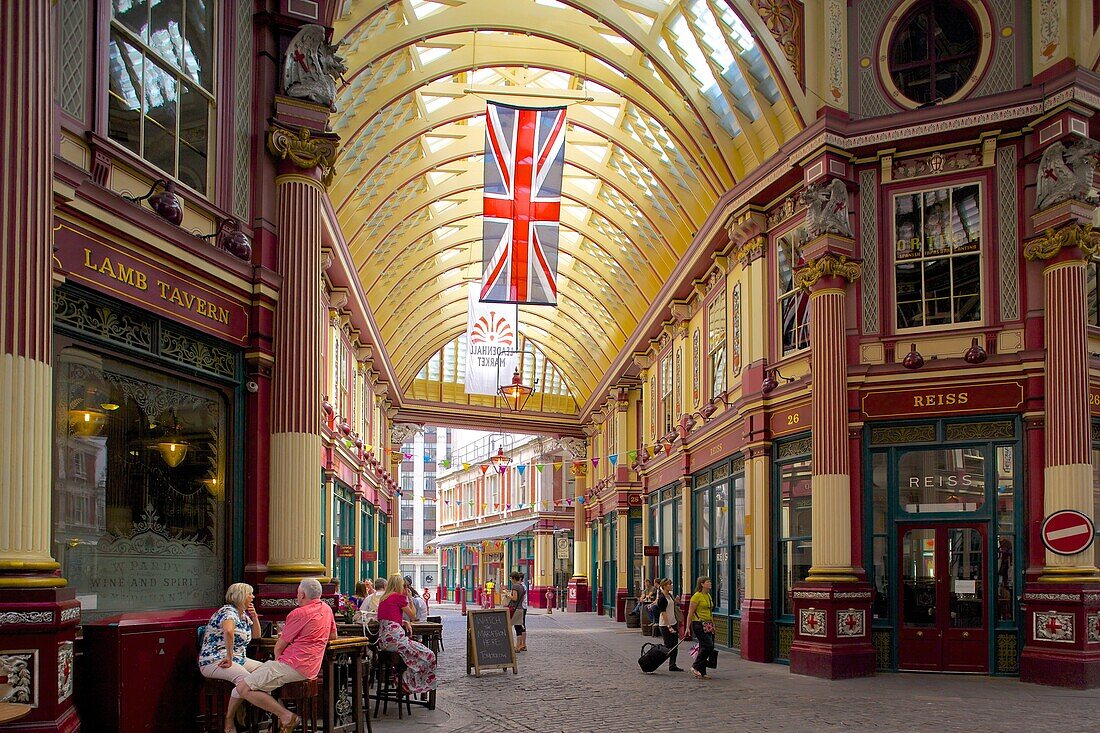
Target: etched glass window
x,y
138,486
160,84
794,303
937,256
934,51
942,480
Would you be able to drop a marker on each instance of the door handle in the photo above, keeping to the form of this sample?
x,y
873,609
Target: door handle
x,y
920,633
966,634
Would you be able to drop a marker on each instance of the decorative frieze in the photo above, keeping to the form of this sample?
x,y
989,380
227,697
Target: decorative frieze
x,y
64,670
851,622
70,614
785,209
936,163
26,617
1054,627
1092,624
20,666
811,594
827,265
1071,236
811,622
1066,597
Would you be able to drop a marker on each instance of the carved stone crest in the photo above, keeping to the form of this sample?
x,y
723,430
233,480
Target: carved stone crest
x,y
575,448
311,67
828,209
403,432
1065,173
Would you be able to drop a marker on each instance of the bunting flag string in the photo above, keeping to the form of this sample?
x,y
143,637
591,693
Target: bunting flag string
x,y
539,466
614,459
595,462
407,456
522,469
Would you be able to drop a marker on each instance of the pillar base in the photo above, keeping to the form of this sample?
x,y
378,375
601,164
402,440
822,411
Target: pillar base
x,y
275,600
1062,638
578,595
832,632
536,598
39,637
620,605
756,630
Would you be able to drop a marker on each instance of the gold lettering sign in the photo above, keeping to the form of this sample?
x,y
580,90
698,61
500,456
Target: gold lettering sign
x,y
940,400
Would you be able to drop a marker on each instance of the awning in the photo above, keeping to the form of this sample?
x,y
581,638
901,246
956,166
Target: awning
x,y
496,532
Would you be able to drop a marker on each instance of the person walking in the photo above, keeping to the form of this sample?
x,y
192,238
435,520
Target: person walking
x,y
701,626
517,607
668,619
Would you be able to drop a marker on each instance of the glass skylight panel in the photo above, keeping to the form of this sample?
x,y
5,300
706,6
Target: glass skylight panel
x,y
425,8
552,4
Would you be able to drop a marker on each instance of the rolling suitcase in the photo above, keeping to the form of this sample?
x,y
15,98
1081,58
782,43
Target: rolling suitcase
x,y
653,656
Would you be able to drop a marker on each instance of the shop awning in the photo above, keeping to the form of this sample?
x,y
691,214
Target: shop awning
x,y
495,532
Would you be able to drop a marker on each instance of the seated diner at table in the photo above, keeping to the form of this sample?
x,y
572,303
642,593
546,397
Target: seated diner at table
x,y
371,606
395,613
299,652
225,641
364,589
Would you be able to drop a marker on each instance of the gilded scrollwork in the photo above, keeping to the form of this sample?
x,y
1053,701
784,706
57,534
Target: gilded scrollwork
x,y
1079,236
304,150
827,265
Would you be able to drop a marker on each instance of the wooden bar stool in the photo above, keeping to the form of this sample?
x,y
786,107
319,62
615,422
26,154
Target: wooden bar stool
x,y
304,700
387,669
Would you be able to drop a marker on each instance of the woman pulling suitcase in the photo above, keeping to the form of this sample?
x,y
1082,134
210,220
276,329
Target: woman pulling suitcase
x,y
668,619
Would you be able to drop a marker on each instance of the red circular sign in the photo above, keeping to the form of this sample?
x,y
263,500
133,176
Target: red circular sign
x,y
1067,532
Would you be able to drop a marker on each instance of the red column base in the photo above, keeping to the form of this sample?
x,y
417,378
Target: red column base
x,y
620,605
756,630
579,595
536,597
275,600
832,630
1062,641
38,637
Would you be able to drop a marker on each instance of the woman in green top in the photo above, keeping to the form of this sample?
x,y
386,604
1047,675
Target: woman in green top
x,y
701,626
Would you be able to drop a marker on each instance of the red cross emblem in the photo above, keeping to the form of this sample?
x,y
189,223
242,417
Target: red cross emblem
x,y
851,622
301,59
811,622
1053,626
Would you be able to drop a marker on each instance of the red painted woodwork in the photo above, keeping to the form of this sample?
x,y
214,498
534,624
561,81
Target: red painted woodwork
x,y
139,672
1073,658
756,630
819,649
578,595
937,637
940,400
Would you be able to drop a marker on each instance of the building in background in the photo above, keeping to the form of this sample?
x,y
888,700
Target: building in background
x,y
422,455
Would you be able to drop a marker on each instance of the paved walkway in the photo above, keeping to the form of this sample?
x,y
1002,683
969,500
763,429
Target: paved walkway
x,y
580,675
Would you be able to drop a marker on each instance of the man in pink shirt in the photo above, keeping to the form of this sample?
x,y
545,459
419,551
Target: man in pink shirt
x,y
298,654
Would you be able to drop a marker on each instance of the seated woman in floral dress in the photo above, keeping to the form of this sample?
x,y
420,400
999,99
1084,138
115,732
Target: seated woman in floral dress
x,y
218,659
395,612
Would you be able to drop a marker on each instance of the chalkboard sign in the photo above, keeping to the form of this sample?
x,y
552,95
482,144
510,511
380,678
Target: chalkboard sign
x,y
489,643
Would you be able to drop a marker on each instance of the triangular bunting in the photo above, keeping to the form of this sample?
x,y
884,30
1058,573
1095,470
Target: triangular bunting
x,y
595,462
407,456
668,448
538,467
368,447
614,459
465,466
632,455
522,469
484,467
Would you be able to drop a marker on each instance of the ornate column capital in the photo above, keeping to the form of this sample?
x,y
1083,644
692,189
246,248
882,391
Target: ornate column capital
x,y
578,469
1071,237
828,265
304,149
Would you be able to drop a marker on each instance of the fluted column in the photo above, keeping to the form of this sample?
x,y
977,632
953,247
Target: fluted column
x,y
295,531
830,483
1067,474
580,524
26,375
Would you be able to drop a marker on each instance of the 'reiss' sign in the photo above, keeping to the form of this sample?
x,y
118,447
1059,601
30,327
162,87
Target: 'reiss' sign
x,y
945,400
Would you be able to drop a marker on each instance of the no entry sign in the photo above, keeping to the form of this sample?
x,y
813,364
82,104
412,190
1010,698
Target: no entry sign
x,y
1067,532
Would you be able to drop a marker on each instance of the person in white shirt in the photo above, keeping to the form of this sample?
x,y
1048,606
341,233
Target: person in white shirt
x,y
371,604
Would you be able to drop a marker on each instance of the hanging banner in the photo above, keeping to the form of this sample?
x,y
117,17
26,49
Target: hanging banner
x,y
524,160
490,331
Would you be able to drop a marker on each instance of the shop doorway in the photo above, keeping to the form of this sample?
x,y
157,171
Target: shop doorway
x,y
943,606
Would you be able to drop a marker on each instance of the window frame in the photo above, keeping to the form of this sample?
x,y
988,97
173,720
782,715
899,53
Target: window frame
x,y
777,241
712,350
217,190
667,371
984,184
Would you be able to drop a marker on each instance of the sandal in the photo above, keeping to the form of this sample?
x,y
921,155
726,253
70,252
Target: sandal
x,y
698,675
289,727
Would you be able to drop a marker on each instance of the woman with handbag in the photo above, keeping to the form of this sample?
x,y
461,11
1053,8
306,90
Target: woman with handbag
x,y
668,619
701,626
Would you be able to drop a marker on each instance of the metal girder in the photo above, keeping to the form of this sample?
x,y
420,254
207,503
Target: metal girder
x,y
488,418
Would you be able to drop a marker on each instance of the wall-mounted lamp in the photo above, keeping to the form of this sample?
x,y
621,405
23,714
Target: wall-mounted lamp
x,y
771,380
165,204
913,360
228,236
975,354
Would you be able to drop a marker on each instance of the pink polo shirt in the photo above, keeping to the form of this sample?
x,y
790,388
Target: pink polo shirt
x,y
306,633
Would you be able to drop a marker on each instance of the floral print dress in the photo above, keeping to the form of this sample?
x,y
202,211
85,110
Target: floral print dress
x,y
420,675
213,641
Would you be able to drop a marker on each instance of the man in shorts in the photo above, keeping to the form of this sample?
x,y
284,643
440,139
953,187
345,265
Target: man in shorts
x,y
298,654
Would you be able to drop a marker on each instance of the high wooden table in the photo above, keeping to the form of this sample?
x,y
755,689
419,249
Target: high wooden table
x,y
12,711
430,633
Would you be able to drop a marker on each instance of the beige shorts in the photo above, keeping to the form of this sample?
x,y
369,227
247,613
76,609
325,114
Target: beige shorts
x,y
271,675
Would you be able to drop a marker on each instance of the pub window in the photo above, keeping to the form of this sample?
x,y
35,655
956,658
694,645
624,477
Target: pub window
x,y
937,256
139,519
716,342
702,540
794,302
668,388
160,85
795,538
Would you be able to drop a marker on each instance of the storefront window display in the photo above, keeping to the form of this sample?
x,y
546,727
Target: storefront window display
x,y
666,531
719,523
794,538
139,484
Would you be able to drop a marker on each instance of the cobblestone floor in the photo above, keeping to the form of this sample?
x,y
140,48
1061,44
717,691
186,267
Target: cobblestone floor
x,y
580,675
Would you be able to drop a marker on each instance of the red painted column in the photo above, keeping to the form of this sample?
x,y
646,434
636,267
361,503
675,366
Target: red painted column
x,y
1061,608
832,606
38,616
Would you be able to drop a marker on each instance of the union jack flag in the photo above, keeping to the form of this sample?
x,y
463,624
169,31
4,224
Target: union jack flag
x,y
524,158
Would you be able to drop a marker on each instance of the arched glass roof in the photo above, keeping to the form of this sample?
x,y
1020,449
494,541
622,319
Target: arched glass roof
x,y
670,103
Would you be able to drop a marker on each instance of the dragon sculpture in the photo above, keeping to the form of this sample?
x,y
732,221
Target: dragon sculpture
x,y
1066,173
828,209
312,68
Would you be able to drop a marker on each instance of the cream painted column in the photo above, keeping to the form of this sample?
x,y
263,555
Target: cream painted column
x,y
623,557
827,277
295,529
580,525
1067,475
758,468
26,375
686,548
